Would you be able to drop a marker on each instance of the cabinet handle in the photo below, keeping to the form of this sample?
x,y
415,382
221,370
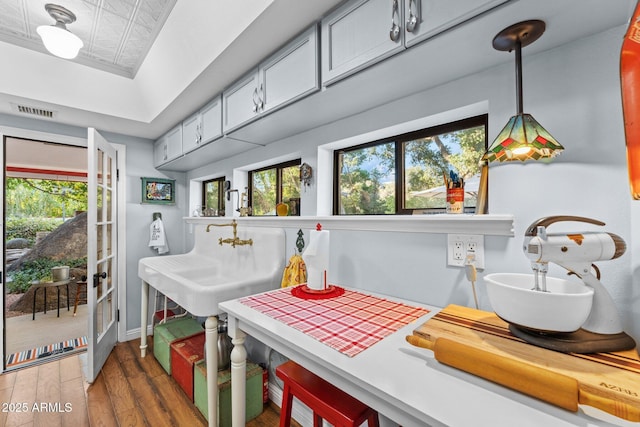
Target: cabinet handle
x,y
412,20
261,98
255,103
166,154
394,34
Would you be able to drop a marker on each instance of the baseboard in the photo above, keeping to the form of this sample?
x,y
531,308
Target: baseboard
x,y
134,334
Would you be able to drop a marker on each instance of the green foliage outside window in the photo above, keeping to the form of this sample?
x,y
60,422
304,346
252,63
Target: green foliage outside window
x,y
278,184
369,176
25,197
213,194
363,188
39,269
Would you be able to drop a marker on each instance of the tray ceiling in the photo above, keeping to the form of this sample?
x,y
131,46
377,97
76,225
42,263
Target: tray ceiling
x,y
117,34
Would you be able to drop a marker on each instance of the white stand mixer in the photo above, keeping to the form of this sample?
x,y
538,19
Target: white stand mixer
x,y
602,331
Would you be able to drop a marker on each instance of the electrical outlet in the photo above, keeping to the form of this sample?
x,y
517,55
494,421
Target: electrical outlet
x,y
462,246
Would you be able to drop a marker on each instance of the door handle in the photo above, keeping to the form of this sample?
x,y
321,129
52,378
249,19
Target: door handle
x,y
97,277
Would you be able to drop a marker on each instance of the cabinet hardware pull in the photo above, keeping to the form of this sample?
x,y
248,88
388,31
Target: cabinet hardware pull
x,y
394,34
412,20
261,98
255,103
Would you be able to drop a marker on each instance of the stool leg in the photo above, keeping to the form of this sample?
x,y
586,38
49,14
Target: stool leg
x,y
317,420
285,411
45,300
373,420
58,302
68,297
75,305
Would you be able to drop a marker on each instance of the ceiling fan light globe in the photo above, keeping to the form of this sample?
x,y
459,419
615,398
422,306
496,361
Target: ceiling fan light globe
x,y
60,41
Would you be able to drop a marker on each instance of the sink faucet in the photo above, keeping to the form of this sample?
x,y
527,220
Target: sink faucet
x,y
235,241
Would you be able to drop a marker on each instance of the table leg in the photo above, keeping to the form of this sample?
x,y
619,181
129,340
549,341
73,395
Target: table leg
x,y
58,301
45,299
144,307
68,309
238,379
211,344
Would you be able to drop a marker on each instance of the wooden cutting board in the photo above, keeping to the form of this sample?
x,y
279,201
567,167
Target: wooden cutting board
x,y
480,343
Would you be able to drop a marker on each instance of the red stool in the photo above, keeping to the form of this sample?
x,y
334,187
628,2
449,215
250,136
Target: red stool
x,y
325,400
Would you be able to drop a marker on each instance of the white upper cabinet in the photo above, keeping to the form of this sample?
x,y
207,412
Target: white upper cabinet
x,y
241,102
286,76
211,120
358,34
168,147
191,136
426,18
292,73
202,127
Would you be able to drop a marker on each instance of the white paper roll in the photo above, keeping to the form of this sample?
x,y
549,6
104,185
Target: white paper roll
x,y
316,258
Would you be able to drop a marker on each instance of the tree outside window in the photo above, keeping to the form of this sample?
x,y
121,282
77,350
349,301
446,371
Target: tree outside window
x,y
404,174
273,185
213,197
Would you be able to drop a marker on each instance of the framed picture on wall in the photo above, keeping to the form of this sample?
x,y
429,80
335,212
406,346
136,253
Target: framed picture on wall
x,y
158,191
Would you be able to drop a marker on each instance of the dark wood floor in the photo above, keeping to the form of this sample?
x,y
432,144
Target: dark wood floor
x,y
129,391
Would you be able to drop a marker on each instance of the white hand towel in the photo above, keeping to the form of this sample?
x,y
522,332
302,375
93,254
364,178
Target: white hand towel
x,y
158,240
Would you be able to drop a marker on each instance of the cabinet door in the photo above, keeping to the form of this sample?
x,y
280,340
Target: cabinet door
x,y
435,16
211,120
240,102
191,136
174,143
359,34
160,153
291,73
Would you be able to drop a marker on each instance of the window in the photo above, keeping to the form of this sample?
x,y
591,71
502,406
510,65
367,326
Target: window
x,y
213,197
405,174
273,185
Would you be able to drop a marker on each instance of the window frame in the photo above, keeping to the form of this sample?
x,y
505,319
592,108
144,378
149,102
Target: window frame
x,y
279,168
399,161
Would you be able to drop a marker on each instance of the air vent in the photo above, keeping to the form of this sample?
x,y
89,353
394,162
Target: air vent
x,y
33,111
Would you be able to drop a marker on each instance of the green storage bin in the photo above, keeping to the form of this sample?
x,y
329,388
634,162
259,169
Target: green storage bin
x,y
166,333
254,384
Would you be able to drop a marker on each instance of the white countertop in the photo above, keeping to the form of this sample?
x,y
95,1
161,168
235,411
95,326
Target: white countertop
x,y
406,383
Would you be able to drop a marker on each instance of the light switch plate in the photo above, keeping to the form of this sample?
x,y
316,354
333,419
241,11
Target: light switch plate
x,y
460,246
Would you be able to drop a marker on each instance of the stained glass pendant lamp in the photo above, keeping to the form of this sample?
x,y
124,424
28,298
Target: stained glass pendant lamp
x,y
523,138
56,38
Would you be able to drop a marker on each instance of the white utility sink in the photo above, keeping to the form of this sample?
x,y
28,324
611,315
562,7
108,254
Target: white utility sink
x,y
212,273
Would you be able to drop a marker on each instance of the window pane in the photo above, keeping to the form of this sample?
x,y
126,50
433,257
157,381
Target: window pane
x,y
263,192
367,180
290,183
213,203
427,159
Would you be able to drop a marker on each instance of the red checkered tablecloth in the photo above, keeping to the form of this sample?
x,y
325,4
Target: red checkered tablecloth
x,y
349,323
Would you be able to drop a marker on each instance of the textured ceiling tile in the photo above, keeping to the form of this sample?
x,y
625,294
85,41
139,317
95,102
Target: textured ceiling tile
x,y
115,32
119,7
12,17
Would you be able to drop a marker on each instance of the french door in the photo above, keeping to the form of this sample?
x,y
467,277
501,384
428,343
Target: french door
x,y
102,254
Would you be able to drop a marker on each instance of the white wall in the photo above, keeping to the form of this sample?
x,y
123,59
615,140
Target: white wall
x,y
574,92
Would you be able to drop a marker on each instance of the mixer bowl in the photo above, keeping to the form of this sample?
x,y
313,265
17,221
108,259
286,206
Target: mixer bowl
x,y
563,308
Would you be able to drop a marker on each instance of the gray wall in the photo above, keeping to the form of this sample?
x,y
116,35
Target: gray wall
x,y
572,90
